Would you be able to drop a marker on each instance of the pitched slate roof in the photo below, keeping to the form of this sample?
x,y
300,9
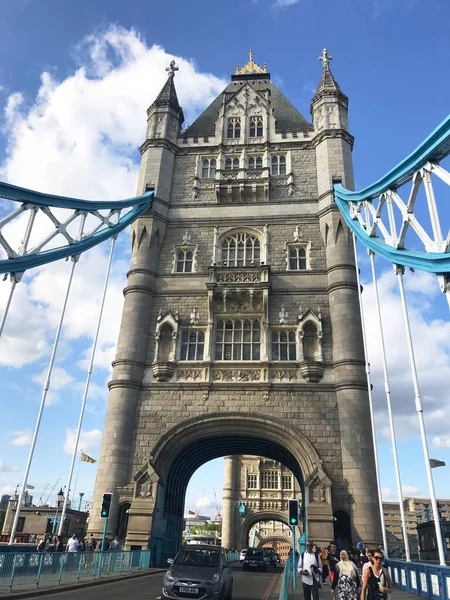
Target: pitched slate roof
x,y
287,116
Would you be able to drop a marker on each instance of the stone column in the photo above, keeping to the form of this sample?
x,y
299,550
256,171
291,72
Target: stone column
x,y
229,506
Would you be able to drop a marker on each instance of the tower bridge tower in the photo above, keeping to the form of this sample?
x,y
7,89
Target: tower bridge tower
x,y
240,331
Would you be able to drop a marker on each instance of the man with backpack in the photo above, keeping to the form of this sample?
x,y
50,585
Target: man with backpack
x,y
310,568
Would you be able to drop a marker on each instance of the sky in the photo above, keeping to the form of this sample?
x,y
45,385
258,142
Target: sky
x,y
76,78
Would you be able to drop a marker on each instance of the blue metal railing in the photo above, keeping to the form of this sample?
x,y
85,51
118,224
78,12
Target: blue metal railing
x,y
284,589
426,580
37,568
233,556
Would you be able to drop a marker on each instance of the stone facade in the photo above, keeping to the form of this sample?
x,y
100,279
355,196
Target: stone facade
x,y
240,330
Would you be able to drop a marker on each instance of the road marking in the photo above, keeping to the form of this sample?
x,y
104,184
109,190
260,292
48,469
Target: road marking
x,y
270,587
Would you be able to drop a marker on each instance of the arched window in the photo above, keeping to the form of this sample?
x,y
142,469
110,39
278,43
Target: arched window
x,y
279,164
255,162
165,353
241,250
192,345
256,127
297,258
209,168
234,128
283,345
238,339
184,261
232,164
311,348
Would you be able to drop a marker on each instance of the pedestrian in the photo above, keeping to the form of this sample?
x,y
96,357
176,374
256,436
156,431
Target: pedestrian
x,y
91,543
333,559
114,546
72,550
324,557
376,581
310,568
41,544
363,557
346,579
369,563
58,548
359,543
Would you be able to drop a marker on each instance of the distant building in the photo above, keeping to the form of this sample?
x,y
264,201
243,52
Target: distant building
x,y
4,501
417,511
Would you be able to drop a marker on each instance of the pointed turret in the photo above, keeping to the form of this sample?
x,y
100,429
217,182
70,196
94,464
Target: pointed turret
x,y
327,81
168,94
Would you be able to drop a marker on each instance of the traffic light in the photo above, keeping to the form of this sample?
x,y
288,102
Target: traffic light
x,y
293,512
106,505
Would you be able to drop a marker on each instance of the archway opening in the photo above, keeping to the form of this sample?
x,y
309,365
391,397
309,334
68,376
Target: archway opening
x,y
342,528
122,521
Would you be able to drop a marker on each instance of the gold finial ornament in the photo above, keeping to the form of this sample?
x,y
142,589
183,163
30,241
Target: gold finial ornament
x,y
251,67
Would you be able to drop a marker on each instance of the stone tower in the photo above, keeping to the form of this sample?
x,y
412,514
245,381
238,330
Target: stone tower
x,y
240,332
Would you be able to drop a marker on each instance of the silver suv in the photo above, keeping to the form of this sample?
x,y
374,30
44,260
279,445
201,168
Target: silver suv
x,y
200,572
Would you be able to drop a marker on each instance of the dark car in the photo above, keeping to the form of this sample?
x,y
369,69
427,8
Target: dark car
x,y
199,571
254,560
270,557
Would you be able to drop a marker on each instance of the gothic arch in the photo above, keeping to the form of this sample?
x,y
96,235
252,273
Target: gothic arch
x,y
261,236
263,515
274,538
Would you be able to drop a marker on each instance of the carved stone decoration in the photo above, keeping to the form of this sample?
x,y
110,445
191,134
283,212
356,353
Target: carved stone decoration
x,y
310,348
319,486
166,335
163,371
237,375
239,277
311,372
144,487
189,374
285,375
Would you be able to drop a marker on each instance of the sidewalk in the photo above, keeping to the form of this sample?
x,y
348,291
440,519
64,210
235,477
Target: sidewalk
x,y
325,593
30,590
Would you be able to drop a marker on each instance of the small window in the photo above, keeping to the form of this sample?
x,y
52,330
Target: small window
x,y
287,482
256,127
284,345
192,345
185,258
232,164
270,480
255,162
297,258
279,165
234,128
20,524
209,168
252,482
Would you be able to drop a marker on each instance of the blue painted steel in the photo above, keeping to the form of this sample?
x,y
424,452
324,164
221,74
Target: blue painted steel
x,y
293,555
284,588
20,264
422,579
433,149
433,262
233,556
34,568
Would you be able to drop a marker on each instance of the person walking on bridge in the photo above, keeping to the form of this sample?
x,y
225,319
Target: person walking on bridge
x,y
346,579
376,580
310,568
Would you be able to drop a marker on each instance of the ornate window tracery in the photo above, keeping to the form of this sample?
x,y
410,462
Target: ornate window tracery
x,y
270,480
255,162
238,339
209,168
252,482
192,345
256,127
184,260
297,258
232,164
284,345
241,250
279,164
287,482
234,127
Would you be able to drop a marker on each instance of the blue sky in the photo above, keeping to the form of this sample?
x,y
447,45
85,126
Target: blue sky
x,y
75,80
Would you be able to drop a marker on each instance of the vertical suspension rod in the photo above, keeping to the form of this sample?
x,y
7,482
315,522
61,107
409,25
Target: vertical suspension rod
x,y
369,390
389,407
8,302
419,408
86,387
74,260
41,407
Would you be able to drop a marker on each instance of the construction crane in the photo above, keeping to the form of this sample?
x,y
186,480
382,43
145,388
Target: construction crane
x,y
218,515
53,488
43,494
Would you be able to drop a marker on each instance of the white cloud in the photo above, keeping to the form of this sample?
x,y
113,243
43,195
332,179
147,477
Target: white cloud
x,y
4,468
390,495
284,3
21,437
441,441
431,338
59,379
7,488
80,137
89,441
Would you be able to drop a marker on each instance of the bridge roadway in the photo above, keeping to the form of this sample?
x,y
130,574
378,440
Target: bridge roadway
x,y
247,586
